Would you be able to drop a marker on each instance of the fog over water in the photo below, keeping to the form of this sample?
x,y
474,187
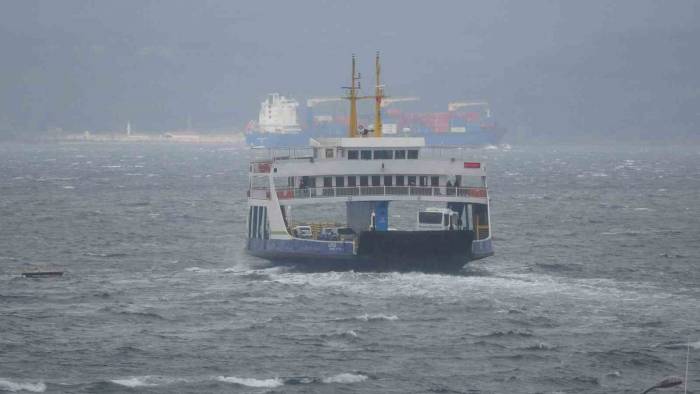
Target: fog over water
x,y
594,199
621,71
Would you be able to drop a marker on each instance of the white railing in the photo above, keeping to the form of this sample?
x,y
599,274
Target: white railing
x,y
423,191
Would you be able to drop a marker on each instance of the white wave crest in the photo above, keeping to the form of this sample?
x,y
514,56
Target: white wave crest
x,y
345,378
8,385
200,270
367,317
136,381
250,382
147,381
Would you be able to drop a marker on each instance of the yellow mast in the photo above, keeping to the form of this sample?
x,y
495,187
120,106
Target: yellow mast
x,y
352,96
378,95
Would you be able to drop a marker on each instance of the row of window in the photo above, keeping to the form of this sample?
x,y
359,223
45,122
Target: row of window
x,y
376,180
382,154
383,180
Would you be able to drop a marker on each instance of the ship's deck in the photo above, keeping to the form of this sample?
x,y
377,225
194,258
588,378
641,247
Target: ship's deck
x,y
293,196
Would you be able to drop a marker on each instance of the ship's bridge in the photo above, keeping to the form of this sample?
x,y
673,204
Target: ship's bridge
x,y
367,169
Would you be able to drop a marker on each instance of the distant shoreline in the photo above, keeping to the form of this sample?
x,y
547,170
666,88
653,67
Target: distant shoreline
x,y
170,137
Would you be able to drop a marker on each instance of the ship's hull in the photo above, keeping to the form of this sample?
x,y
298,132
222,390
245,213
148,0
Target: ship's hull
x,y
428,251
477,138
480,137
277,140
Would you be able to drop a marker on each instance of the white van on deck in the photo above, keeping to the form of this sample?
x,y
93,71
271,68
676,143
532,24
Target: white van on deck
x,y
437,219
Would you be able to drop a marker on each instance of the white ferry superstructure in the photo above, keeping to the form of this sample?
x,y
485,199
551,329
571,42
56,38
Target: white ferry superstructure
x,y
367,174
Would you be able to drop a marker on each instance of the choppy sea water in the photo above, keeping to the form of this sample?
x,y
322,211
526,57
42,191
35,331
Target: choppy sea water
x,y
594,287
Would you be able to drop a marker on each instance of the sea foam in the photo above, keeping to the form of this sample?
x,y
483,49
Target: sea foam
x,y
367,317
137,381
8,385
250,382
345,378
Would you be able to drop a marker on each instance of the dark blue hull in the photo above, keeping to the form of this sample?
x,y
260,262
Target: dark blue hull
x,y
427,251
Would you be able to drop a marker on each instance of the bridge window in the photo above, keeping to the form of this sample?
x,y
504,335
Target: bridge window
x,y
383,154
327,181
411,181
366,155
376,180
413,154
353,155
399,180
423,180
388,180
434,181
329,153
352,181
364,180
400,154
339,181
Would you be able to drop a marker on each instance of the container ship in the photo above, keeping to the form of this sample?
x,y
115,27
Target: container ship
x,y
366,174
465,123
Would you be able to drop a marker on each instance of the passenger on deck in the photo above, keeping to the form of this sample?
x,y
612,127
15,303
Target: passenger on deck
x,y
450,189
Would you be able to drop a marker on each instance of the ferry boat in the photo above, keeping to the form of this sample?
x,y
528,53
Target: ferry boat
x,y
367,174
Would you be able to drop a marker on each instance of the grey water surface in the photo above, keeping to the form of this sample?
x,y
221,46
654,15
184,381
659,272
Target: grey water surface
x,y
594,287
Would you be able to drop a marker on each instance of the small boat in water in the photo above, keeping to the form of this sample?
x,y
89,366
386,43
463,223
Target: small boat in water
x,y
366,174
41,274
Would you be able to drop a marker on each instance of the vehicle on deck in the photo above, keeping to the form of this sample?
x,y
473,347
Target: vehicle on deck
x,y
346,234
303,232
329,234
438,219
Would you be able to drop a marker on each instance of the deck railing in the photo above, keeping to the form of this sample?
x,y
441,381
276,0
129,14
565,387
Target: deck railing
x,y
330,192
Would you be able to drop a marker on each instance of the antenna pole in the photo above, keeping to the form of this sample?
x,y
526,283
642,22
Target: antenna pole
x,y
378,94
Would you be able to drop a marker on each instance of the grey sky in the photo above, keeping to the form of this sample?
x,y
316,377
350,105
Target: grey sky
x,y
550,68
